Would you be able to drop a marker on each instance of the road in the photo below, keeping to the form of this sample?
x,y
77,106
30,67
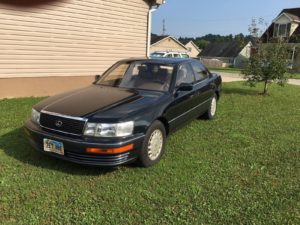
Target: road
x,y
230,77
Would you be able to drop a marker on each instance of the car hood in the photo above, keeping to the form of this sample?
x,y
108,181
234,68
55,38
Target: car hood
x,y
82,102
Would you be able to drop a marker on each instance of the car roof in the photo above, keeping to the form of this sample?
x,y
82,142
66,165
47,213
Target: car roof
x,y
161,60
167,52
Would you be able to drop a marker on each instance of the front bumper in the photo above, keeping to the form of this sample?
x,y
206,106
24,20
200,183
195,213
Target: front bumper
x,y
75,148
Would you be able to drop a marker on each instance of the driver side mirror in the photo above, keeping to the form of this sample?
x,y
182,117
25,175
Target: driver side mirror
x,y
97,77
185,87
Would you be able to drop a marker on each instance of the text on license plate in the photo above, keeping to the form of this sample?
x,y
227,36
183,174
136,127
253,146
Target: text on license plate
x,y
53,146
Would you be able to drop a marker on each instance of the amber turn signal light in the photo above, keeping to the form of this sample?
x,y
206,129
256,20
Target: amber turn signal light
x,y
110,150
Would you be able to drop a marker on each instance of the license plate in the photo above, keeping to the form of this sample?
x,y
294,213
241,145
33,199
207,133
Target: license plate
x,y
54,146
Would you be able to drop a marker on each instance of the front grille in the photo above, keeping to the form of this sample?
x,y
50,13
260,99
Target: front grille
x,y
62,124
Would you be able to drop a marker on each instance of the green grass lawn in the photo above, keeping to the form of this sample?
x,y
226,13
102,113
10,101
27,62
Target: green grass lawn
x,y
295,75
227,70
241,168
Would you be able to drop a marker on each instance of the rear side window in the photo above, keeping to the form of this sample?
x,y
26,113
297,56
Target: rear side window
x,y
184,75
200,71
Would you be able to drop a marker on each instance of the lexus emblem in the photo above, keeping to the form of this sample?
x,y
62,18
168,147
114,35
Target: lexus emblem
x,y
58,123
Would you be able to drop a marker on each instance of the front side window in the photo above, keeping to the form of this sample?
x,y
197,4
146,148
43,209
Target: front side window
x,y
184,75
139,75
200,71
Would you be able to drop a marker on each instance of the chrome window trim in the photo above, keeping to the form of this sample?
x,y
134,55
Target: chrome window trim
x,y
199,81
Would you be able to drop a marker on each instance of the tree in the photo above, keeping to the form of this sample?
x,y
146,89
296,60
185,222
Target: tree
x,y
268,63
241,39
201,43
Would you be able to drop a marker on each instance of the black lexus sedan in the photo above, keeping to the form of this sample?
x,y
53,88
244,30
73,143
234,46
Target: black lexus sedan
x,y
126,114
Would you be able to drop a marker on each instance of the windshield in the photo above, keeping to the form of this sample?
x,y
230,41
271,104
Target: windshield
x,y
140,75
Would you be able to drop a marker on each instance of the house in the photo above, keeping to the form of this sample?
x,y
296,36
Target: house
x,y
166,43
225,54
287,26
53,45
192,49
243,56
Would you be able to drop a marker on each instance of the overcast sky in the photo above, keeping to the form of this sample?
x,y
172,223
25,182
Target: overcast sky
x,y
192,18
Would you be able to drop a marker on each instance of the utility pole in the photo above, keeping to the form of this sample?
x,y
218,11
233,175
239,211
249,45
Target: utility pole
x,y
164,27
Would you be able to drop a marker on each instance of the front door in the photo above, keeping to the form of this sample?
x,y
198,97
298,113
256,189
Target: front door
x,y
181,109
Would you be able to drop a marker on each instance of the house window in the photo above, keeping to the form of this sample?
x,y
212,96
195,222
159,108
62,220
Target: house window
x,y
281,30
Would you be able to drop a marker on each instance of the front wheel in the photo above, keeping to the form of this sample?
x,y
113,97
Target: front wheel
x,y
211,111
154,144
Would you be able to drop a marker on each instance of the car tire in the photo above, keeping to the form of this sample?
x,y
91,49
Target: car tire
x,y
153,145
211,111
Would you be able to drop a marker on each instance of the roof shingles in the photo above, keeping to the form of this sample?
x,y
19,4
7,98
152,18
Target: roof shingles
x,y
293,13
156,38
224,50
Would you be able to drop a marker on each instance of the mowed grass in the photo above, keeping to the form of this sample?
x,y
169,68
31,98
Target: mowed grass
x,y
294,75
227,70
241,168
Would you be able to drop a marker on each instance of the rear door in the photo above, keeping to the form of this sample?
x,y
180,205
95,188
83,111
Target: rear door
x,y
181,109
204,91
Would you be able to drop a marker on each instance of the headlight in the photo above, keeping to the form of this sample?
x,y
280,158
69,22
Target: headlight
x,y
35,116
109,130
